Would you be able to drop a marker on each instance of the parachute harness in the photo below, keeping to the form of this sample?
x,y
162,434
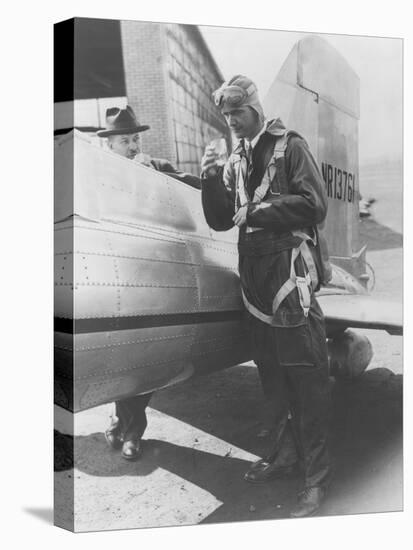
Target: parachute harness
x,y
304,284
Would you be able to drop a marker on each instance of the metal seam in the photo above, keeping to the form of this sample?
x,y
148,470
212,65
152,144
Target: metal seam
x,y
123,285
147,365
139,313
149,228
166,261
144,341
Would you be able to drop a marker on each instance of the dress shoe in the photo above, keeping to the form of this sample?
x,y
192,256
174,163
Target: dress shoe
x,y
112,439
263,470
131,450
309,502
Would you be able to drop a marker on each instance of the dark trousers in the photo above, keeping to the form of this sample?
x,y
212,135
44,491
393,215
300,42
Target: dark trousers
x,y
130,419
298,395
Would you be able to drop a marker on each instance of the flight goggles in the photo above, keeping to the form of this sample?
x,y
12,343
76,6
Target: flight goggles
x,y
233,95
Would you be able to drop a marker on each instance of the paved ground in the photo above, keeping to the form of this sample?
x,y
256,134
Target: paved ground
x,y
202,435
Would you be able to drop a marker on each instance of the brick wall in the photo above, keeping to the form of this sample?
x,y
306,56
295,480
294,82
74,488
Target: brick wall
x,y
170,76
192,78
144,58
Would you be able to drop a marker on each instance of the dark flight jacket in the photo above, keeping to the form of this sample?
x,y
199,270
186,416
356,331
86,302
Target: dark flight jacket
x,y
264,256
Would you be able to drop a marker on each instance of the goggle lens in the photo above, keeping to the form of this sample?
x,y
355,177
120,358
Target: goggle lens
x,y
233,97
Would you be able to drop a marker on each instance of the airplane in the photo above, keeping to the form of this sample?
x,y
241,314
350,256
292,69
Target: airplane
x,y
148,295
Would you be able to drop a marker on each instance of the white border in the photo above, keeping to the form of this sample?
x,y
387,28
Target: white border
x,y
26,271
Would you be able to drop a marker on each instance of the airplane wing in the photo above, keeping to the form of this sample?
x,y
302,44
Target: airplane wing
x,y
361,311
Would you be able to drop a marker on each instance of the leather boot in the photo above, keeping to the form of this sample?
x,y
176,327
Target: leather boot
x,y
113,439
309,502
131,450
264,470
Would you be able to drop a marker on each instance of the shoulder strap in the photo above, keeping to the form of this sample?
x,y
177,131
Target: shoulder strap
x,y
271,169
279,159
240,168
275,168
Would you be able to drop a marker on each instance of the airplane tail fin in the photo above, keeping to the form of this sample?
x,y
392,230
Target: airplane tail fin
x,y
317,94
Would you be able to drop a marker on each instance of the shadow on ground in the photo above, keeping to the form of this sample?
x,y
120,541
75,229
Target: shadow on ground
x,y
44,514
366,445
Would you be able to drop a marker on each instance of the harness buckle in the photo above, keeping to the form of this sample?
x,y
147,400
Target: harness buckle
x,y
304,294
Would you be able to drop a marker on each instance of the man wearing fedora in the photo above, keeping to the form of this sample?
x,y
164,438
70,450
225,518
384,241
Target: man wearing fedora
x,y
122,131
123,134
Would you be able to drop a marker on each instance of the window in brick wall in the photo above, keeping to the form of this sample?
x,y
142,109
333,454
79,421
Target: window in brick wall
x,y
192,80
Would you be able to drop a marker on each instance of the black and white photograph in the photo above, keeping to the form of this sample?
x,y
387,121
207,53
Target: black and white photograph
x,y
228,274
205,274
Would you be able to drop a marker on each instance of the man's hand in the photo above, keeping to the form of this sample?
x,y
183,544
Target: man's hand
x,y
143,158
209,166
240,217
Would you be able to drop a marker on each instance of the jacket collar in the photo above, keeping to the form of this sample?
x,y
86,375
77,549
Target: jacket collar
x,y
275,127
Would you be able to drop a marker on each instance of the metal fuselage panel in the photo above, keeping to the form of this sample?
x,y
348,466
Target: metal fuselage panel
x,y
146,294
115,364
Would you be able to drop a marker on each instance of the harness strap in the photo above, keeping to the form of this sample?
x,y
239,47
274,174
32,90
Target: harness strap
x,y
304,236
265,185
282,294
304,295
271,170
305,284
307,256
276,164
309,262
281,146
269,174
256,312
302,284
241,191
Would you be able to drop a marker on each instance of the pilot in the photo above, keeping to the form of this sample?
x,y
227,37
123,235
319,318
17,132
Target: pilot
x,y
272,189
122,131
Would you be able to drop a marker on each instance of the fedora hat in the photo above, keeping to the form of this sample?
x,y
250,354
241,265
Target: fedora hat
x,y
121,121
